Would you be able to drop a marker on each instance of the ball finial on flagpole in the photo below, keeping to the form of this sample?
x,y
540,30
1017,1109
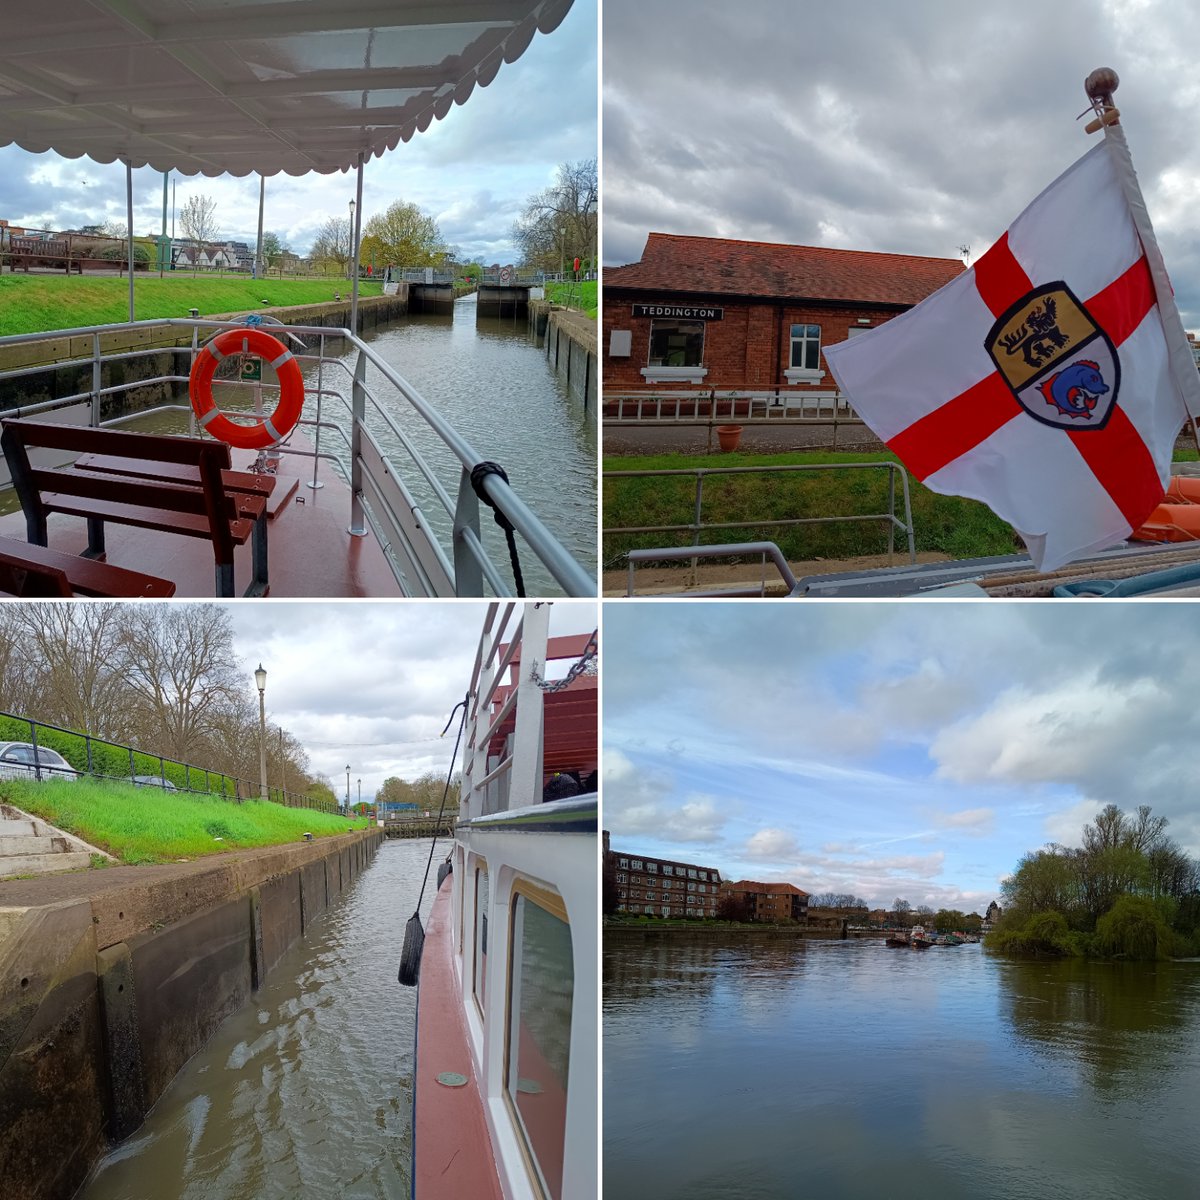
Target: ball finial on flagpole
x,y
1101,84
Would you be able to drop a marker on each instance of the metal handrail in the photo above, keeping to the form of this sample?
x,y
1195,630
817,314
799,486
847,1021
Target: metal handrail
x,y
697,525
733,550
471,563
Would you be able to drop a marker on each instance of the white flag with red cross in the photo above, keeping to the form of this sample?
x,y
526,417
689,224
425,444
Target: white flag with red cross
x,y
1040,381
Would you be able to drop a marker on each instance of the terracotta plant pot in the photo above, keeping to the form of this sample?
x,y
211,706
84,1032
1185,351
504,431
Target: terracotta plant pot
x,y
729,436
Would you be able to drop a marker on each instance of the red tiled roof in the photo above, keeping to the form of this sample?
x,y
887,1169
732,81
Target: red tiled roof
x,y
671,263
774,889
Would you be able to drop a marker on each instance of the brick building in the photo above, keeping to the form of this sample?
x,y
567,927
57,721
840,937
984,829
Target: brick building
x,y
662,887
769,901
709,313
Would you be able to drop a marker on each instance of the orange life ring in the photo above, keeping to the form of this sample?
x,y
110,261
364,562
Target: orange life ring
x,y
266,431
1177,518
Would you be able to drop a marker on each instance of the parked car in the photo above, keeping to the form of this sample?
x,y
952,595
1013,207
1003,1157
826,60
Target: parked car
x,y
155,781
17,761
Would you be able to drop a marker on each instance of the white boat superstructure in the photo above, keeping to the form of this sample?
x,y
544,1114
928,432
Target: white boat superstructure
x,y
513,939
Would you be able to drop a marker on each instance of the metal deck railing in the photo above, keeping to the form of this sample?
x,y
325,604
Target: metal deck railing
x,y
381,497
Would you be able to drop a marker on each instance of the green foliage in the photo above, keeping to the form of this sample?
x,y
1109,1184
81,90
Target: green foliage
x,y
141,253
30,304
145,825
581,295
944,524
1136,928
403,236
1045,934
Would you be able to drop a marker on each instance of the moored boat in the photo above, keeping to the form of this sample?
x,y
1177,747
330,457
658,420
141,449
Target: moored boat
x,y
506,1079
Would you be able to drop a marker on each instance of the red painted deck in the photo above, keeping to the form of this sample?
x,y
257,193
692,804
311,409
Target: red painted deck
x,y
310,553
453,1158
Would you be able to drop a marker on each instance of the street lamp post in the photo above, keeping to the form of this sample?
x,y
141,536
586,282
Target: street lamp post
x,y
354,265
347,789
360,791
260,677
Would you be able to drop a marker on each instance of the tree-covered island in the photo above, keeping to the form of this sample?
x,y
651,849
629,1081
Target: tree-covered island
x,y
1128,892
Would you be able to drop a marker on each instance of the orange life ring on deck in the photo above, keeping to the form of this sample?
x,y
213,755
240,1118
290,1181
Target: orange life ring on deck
x,y
266,431
1177,518
1183,489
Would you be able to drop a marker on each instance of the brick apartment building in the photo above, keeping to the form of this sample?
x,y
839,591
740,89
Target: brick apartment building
x,y
769,902
662,887
700,313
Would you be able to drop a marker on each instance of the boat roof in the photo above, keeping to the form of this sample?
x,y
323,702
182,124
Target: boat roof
x,y
224,86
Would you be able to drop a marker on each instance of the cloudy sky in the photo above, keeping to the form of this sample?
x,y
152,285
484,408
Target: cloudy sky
x,y
912,128
368,684
913,750
472,171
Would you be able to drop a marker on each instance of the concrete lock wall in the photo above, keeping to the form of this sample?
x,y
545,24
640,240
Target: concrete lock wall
x,y
570,344
103,999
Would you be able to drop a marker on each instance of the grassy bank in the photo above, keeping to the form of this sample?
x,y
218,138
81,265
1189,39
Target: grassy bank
x,y
575,295
148,825
945,524
33,303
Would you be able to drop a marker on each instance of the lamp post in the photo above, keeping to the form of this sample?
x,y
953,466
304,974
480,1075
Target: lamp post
x,y
354,267
260,677
347,789
360,791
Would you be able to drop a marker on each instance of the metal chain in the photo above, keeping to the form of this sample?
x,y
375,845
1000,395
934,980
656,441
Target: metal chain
x,y
585,665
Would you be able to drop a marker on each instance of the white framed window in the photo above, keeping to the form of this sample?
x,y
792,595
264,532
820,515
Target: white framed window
x,y
479,965
676,352
649,909
668,869
637,864
691,872
652,868
621,877
691,886
622,862
805,357
541,974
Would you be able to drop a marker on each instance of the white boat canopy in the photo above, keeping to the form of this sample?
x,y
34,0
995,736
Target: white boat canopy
x,y
225,86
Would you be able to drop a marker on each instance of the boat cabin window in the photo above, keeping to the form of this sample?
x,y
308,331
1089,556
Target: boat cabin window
x,y
479,976
541,989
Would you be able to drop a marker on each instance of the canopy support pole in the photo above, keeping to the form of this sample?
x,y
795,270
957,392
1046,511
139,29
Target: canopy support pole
x,y
129,230
162,243
356,237
258,254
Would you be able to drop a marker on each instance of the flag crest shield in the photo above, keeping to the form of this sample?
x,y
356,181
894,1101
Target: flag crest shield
x,y
1058,362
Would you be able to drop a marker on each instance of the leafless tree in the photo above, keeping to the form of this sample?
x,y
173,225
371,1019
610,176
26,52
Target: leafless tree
x,y
182,672
199,224
334,243
559,223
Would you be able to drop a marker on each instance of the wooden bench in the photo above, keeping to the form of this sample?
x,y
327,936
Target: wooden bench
x,y
35,571
169,484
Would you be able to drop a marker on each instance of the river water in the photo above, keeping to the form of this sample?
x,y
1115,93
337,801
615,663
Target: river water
x,y
847,1070
497,389
306,1092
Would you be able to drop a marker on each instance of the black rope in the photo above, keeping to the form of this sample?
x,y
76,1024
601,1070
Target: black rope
x,y
478,474
463,704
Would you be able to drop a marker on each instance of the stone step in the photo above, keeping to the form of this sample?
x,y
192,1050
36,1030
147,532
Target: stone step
x,y
33,845
39,864
16,828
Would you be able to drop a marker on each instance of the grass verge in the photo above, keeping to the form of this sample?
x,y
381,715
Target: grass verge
x,y
148,825
580,295
36,303
943,524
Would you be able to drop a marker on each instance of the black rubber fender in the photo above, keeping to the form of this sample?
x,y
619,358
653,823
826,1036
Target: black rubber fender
x,y
444,869
410,954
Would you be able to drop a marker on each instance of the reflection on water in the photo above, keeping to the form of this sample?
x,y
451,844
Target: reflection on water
x,y
847,1070
307,1092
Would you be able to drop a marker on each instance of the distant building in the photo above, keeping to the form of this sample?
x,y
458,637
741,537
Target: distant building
x,y
662,887
993,914
769,901
730,315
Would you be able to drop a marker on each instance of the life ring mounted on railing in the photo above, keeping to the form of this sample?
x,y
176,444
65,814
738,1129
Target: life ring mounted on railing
x,y
266,431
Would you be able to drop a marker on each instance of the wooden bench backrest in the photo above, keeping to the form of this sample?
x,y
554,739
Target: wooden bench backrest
x,y
210,457
152,447
24,245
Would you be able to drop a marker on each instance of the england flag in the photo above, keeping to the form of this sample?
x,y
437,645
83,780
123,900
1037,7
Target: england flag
x,y
1051,379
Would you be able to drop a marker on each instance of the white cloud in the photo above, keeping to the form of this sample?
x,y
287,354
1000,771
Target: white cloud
x,y
771,845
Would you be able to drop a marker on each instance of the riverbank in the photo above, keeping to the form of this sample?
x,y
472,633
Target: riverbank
x,y
149,825
44,303
617,932
110,980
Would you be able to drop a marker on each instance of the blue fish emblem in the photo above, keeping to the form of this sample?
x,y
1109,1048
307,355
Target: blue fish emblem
x,y
1074,391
